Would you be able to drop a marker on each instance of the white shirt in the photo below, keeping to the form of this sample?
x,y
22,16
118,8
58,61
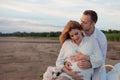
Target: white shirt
x,y
88,46
102,42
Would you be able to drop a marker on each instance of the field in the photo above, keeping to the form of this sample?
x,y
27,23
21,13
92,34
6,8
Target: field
x,y
28,58
113,36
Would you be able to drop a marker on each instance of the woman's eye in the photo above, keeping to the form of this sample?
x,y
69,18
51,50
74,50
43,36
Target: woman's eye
x,y
76,33
71,35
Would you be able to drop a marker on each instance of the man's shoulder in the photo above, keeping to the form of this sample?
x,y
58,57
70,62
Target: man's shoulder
x,y
100,36
99,33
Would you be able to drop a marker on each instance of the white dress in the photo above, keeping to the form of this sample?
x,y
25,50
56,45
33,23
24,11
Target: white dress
x,y
89,47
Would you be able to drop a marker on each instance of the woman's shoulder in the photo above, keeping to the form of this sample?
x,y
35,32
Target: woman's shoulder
x,y
68,41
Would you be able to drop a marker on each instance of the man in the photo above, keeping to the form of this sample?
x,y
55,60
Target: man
x,y
88,21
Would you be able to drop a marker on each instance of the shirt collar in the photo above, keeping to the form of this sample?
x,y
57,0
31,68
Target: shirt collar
x,y
94,33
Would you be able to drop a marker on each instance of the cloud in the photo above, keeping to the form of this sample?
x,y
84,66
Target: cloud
x,y
11,21
25,25
13,6
47,15
29,28
56,7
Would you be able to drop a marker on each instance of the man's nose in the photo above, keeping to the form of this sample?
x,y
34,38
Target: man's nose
x,y
80,22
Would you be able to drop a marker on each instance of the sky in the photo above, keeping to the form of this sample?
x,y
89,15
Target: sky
x,y
53,15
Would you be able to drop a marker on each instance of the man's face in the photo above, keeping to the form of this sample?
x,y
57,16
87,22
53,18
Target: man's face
x,y
86,22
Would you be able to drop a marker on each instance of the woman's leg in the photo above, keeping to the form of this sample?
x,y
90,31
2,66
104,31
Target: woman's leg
x,y
62,78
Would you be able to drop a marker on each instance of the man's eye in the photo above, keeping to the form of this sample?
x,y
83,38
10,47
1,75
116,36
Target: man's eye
x,y
84,22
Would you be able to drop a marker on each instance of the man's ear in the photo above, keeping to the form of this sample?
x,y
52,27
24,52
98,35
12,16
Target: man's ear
x,y
93,23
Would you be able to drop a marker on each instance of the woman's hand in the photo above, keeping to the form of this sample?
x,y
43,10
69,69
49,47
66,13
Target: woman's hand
x,y
76,76
74,58
67,65
69,71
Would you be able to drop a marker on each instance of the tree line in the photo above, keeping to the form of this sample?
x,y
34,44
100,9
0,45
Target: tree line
x,y
112,35
31,34
111,31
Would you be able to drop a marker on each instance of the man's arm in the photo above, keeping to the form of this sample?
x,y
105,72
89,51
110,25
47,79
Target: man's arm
x,y
83,60
80,56
84,64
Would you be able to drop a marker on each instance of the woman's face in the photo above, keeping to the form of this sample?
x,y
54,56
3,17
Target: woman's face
x,y
75,35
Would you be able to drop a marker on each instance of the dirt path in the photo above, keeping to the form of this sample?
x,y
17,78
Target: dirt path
x,y
28,58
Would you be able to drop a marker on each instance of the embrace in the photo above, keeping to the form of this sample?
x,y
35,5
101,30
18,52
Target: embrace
x,y
83,49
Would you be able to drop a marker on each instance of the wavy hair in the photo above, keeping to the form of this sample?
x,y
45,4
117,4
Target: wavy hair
x,y
68,27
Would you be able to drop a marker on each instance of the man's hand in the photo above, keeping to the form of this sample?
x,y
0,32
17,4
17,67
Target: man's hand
x,y
79,56
84,64
74,58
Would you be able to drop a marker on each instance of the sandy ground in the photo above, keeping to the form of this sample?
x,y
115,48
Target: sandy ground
x,y
28,58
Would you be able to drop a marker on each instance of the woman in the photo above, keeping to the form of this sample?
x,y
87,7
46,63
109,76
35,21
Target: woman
x,y
73,41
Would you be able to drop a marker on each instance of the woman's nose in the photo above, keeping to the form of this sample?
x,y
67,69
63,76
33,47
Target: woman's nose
x,y
75,37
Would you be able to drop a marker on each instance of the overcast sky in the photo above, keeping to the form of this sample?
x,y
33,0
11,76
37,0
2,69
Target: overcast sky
x,y
52,15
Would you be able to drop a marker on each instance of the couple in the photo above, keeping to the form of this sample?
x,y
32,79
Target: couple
x,y
83,49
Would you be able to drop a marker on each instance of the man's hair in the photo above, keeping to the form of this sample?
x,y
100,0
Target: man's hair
x,y
93,15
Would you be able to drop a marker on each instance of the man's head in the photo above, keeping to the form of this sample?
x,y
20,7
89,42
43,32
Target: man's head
x,y
92,14
88,21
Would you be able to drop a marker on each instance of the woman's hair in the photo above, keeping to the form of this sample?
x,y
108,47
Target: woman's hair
x,y
68,27
92,13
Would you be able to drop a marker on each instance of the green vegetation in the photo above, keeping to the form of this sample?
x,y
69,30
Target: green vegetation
x,y
112,35
32,34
